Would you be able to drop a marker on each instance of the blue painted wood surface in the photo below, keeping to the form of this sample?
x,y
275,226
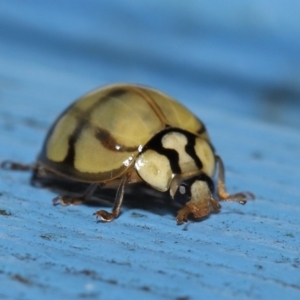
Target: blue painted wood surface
x,y
236,66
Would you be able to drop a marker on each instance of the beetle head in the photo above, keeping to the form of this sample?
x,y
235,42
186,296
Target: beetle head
x,y
194,188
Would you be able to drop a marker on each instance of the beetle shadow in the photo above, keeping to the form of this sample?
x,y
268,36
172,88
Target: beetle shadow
x,y
137,196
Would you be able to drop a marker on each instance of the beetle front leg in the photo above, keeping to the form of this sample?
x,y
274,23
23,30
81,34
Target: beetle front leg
x,y
197,210
222,193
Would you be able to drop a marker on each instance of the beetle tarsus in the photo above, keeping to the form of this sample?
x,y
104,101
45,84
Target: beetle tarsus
x,y
105,216
68,200
241,198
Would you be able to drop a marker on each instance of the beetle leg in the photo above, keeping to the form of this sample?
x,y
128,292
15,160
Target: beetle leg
x,y
222,193
11,165
37,170
110,216
68,200
15,166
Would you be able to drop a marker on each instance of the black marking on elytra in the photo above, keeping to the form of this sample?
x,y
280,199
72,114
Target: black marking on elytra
x,y
83,121
109,142
115,93
156,144
70,157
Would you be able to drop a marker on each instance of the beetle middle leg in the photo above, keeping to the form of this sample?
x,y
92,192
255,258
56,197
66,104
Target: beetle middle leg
x,y
106,216
222,193
68,200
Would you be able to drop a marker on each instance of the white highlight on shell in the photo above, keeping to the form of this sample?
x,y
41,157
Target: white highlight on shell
x,y
128,161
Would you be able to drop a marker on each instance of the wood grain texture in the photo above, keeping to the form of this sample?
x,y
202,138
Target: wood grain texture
x,y
53,53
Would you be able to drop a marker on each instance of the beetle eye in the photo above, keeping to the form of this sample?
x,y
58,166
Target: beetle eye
x,y
183,194
182,190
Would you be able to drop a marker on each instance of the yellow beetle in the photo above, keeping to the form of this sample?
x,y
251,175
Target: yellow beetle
x,y
124,134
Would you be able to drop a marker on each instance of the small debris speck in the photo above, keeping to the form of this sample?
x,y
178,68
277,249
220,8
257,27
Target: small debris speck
x,y
3,212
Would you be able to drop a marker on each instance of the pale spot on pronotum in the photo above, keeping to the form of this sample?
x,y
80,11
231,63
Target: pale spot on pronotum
x,y
154,169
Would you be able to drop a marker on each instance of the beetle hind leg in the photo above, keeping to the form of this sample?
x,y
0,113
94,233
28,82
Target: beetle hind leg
x,y
15,166
241,198
106,216
69,200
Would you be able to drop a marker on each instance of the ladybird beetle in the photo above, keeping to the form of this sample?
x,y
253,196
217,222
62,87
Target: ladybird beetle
x,y
125,134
